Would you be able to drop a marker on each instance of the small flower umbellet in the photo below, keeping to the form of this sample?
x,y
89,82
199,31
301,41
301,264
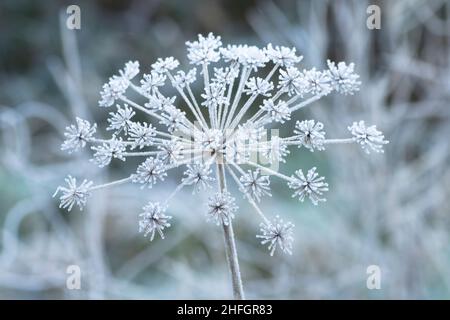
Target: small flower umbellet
x,y
310,134
368,137
154,220
221,208
311,186
198,175
255,184
217,129
78,135
74,194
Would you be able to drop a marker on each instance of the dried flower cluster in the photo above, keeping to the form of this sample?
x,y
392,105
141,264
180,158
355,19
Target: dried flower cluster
x,y
223,128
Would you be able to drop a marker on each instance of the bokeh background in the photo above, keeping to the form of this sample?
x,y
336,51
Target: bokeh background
x,y
391,210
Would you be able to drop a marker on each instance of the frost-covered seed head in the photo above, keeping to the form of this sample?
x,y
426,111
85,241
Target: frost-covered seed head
x,y
113,90
151,82
368,137
310,134
317,82
198,175
171,152
224,125
277,234
311,186
210,140
165,65
214,95
121,120
204,50
73,194
153,220
343,78
255,185
141,135
159,103
173,118
225,75
182,79
283,56
252,57
278,111
221,208
258,86
149,172
233,53
78,135
112,149
130,70
291,81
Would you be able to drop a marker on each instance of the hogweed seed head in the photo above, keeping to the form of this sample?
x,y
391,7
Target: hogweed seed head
x,y
153,220
199,175
165,65
343,78
149,172
225,125
311,186
221,208
74,194
368,137
292,81
310,134
152,81
121,120
78,135
130,70
317,82
278,111
182,79
277,233
112,149
205,50
255,184
171,152
258,86
283,56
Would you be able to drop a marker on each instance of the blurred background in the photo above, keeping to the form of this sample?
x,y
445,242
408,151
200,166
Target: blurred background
x,y
390,210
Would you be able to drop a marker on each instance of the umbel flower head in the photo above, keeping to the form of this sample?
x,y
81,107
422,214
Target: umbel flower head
x,y
220,130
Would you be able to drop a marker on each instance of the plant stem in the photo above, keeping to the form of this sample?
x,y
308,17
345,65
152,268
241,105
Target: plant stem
x,y
233,263
230,245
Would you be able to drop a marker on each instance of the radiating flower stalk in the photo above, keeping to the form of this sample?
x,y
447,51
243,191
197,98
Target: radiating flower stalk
x,y
225,129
